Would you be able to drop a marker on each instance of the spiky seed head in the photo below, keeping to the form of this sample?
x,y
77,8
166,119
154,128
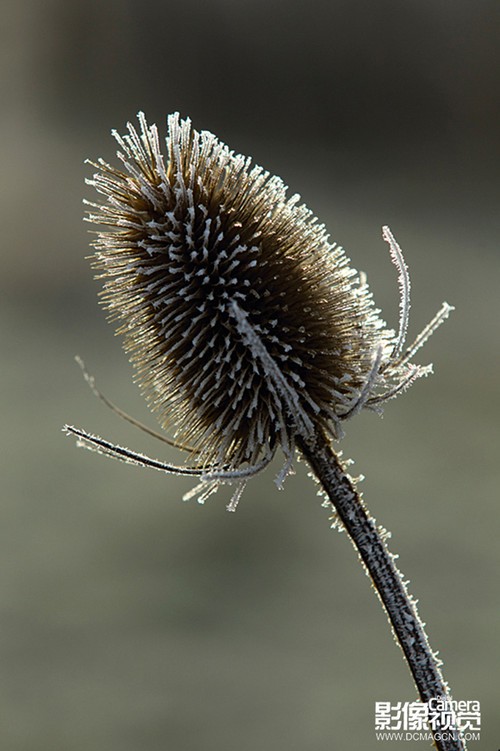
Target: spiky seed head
x,y
245,324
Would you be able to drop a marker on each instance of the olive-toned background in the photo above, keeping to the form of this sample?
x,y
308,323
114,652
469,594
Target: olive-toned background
x,y
130,620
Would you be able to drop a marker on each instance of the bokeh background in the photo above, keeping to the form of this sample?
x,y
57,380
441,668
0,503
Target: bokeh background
x,y
130,620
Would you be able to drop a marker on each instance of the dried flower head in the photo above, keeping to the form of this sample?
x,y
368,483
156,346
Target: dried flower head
x,y
249,331
247,327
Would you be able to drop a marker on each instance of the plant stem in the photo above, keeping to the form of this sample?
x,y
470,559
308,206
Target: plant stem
x,y
368,540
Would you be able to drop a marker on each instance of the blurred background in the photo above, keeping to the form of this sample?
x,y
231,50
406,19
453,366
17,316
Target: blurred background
x,y
131,620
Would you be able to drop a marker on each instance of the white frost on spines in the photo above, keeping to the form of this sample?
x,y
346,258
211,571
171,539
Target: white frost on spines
x,y
211,477
101,446
202,491
424,335
355,404
276,381
404,290
413,372
233,503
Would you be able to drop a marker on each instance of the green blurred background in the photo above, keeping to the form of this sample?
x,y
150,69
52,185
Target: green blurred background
x,y
130,620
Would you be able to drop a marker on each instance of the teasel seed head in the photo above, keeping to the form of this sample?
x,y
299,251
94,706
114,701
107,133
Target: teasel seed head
x,y
245,324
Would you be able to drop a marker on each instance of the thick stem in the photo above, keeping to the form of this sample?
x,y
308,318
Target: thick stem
x,y
387,580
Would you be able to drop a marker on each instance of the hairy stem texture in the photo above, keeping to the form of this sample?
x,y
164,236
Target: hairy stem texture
x,y
387,580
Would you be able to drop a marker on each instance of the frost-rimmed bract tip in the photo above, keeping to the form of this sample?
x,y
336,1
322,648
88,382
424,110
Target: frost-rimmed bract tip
x,y
245,324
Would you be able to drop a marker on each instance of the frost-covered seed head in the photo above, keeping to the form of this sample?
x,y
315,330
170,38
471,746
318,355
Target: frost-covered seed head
x,y
244,323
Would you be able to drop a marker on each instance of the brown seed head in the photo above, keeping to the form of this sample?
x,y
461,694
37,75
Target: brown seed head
x,y
245,324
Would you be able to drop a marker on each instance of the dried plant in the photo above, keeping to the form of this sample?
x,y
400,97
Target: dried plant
x,y
250,333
